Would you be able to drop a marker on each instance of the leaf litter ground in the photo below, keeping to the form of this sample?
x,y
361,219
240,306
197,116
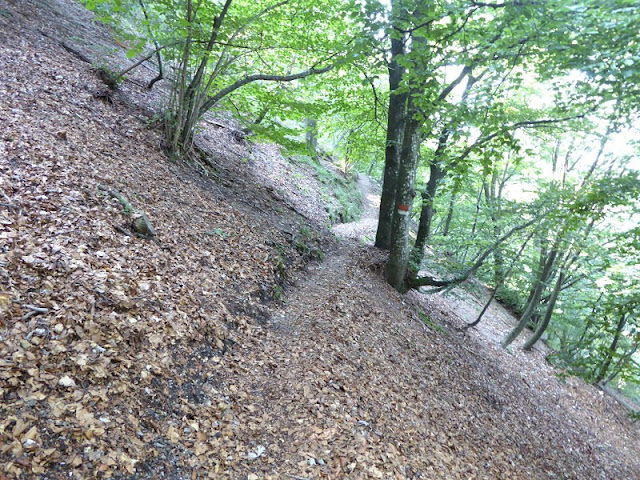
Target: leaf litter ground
x,y
130,358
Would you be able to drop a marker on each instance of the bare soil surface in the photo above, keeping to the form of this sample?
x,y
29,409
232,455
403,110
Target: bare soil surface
x,y
215,350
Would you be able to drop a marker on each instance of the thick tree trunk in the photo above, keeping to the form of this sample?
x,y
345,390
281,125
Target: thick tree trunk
x,y
427,211
395,131
428,198
398,263
401,115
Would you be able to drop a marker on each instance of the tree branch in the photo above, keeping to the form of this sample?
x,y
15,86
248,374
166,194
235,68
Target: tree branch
x,y
515,3
214,99
433,282
524,124
495,291
143,59
160,75
217,24
465,71
376,99
239,30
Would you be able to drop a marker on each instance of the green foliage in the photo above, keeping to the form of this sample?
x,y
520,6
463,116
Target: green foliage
x,y
341,193
308,244
430,323
512,299
216,49
608,191
519,105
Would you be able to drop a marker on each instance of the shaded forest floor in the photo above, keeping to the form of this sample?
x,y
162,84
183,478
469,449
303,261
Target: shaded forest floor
x,y
226,347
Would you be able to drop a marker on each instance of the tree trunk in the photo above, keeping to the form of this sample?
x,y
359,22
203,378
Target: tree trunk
x,y
475,224
493,202
495,291
398,263
541,263
395,132
437,172
428,198
311,136
542,326
612,349
447,222
533,303
401,115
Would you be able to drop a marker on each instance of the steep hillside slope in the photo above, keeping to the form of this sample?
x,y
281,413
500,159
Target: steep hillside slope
x,y
91,314
171,356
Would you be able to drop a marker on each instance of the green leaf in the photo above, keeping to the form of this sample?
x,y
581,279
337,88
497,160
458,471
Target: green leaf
x,y
217,231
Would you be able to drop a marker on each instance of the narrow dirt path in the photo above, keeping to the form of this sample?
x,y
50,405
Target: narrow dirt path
x,y
347,382
365,228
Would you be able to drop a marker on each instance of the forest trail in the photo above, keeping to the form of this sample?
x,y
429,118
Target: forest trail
x,y
363,389
461,304
134,359
365,228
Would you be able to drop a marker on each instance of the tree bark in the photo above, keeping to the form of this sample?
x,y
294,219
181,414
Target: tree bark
x,y
395,130
437,170
450,208
493,202
612,348
436,173
311,136
398,262
534,301
542,326
472,236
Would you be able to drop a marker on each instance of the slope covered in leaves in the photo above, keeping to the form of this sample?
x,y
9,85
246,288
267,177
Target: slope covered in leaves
x,y
128,357
92,315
